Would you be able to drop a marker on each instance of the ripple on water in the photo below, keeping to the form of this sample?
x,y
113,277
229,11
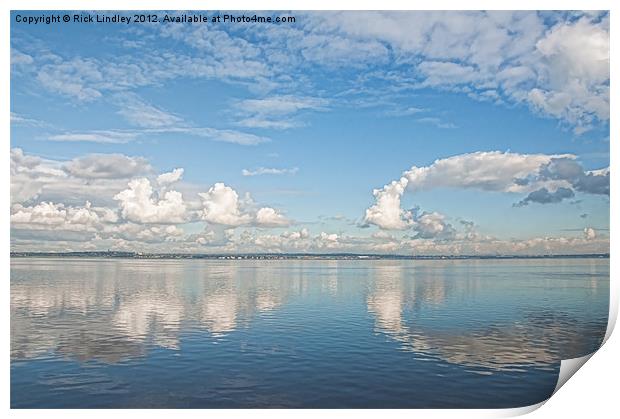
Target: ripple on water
x,y
125,333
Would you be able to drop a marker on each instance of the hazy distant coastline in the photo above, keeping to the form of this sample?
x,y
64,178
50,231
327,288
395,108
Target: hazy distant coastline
x,y
290,256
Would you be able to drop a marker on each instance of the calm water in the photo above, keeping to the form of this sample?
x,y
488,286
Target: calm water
x,y
182,333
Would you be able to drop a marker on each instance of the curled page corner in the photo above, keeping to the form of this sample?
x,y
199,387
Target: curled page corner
x,y
518,411
568,367
613,313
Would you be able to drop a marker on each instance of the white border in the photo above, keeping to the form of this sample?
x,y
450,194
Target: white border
x,y
594,392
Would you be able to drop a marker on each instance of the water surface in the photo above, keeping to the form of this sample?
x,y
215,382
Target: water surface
x,y
290,333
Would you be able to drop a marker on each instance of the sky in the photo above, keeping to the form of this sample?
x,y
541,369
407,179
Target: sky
x,y
424,133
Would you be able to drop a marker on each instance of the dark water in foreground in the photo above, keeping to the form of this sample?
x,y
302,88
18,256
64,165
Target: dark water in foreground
x,y
207,333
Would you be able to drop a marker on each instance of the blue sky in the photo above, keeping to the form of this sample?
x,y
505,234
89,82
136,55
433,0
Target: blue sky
x,y
494,128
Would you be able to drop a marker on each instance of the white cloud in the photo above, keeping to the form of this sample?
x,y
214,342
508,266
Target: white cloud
x,y
548,179
489,171
29,174
576,71
544,196
227,136
276,111
387,213
433,225
143,114
296,235
589,233
106,137
556,63
280,105
88,78
260,122
562,70
342,51
131,212
494,171
169,178
125,136
221,205
73,78
440,73
437,122
139,204
95,178
269,171
23,120
269,217
107,166
19,58
327,241
58,216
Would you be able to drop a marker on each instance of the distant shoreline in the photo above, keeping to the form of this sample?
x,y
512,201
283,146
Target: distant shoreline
x,y
288,256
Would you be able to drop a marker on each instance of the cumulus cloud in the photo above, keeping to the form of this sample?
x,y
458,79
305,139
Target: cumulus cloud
x,y
460,243
387,213
95,178
575,67
269,217
484,170
546,179
430,225
296,235
592,182
567,171
30,174
145,215
559,67
170,177
107,166
492,171
589,233
130,212
327,241
543,196
221,205
140,204
58,216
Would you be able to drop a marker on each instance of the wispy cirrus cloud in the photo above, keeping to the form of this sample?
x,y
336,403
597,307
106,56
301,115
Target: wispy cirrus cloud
x,y
96,136
437,122
558,67
125,136
150,119
276,112
269,171
138,112
19,119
